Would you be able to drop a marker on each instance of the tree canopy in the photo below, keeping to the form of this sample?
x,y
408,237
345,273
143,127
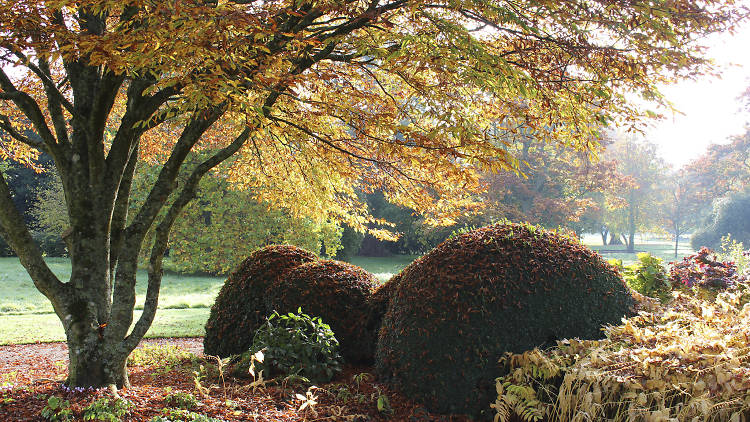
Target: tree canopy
x,y
315,99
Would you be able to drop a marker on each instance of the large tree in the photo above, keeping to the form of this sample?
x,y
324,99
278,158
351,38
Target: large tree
x,y
317,98
681,206
637,204
557,186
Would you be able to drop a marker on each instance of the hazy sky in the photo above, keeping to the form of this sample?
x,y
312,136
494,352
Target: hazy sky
x,y
711,109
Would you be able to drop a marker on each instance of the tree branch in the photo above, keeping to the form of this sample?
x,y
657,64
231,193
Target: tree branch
x,y
8,127
14,231
120,211
49,85
162,236
54,106
165,183
29,107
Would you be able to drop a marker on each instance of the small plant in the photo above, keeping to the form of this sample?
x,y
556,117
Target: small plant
x,y
297,344
57,410
198,377
157,354
6,400
307,402
362,378
703,270
181,415
648,277
105,409
734,251
382,403
181,400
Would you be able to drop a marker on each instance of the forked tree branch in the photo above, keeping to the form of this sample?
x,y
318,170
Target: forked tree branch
x,y
15,232
162,236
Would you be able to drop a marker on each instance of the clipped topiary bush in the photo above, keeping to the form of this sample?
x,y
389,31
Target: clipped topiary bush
x,y
241,306
336,292
501,288
377,306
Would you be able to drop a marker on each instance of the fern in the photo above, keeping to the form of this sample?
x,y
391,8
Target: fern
x,y
519,400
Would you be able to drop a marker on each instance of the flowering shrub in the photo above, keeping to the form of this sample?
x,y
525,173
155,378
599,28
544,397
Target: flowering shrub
x,y
703,270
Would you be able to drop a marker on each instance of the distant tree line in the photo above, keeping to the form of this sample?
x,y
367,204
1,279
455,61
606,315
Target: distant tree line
x,y
629,189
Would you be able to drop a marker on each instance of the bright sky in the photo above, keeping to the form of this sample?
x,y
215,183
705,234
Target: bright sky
x,y
712,111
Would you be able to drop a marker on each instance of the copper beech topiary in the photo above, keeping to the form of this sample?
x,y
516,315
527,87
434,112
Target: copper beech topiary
x,y
336,292
501,288
241,306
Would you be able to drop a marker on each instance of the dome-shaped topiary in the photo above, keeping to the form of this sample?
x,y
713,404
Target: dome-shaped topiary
x,y
501,288
241,306
336,292
377,305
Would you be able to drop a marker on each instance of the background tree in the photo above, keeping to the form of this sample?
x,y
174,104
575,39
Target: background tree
x,y
730,216
557,187
722,169
717,178
637,204
220,228
316,99
680,207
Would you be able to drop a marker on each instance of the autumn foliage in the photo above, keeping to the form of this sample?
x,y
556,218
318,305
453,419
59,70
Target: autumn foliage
x,y
305,103
240,307
687,361
501,288
703,270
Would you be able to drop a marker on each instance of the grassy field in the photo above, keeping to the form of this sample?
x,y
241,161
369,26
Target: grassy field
x,y
26,316
661,248
383,268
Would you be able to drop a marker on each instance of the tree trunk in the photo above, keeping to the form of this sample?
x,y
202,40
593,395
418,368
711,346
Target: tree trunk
x,y
631,230
676,242
93,362
631,242
614,239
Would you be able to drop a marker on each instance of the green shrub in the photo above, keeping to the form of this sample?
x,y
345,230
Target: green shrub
x,y
648,277
241,306
336,292
734,251
180,415
157,354
181,400
57,410
501,288
108,410
296,344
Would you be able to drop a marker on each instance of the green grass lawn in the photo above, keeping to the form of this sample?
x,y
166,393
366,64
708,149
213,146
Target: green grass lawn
x,y
383,268
661,248
26,316
32,328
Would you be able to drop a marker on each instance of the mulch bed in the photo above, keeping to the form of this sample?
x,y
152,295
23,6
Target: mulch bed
x,y
32,372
